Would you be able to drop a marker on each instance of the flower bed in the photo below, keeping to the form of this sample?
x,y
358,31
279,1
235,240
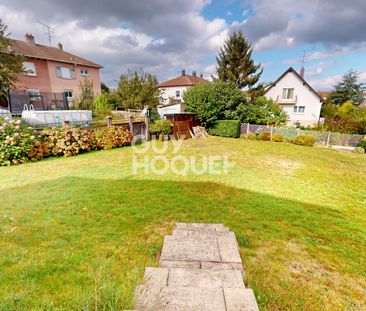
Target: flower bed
x,y
20,143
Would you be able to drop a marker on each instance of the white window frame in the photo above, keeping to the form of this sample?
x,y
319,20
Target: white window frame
x,y
84,72
32,93
69,98
299,109
65,73
286,92
29,69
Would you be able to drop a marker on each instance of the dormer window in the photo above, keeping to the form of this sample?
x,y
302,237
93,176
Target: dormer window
x,y
29,69
287,93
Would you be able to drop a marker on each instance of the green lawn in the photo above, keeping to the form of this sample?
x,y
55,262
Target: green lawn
x,y
76,233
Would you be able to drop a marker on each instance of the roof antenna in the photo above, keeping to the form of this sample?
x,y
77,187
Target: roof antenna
x,y
49,31
302,71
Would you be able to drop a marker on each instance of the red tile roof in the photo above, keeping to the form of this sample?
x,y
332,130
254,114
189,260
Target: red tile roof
x,y
185,80
49,53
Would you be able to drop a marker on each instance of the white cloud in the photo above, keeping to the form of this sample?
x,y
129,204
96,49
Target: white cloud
x,y
328,83
161,43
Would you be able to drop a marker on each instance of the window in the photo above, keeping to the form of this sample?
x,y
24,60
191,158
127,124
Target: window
x,y
299,109
29,69
288,93
69,94
34,94
65,73
84,72
177,93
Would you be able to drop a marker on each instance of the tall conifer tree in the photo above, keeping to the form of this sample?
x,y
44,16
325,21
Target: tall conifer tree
x,y
235,63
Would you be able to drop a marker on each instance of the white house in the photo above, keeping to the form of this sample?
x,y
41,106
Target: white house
x,y
296,97
172,92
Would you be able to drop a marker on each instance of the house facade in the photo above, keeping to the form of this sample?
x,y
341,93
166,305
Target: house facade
x,y
172,92
296,97
51,70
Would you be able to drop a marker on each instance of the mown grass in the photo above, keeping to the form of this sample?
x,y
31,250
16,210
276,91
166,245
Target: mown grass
x,y
76,233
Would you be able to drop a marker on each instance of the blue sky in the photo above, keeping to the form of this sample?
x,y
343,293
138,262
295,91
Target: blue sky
x,y
163,37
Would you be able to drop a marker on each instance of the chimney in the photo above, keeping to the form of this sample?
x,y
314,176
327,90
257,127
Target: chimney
x,y
201,75
60,46
194,74
183,72
302,72
29,38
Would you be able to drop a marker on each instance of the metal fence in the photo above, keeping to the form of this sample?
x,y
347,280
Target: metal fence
x,y
321,137
41,101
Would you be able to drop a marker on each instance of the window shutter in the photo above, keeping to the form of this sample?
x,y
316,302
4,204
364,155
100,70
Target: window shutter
x,y
73,73
58,72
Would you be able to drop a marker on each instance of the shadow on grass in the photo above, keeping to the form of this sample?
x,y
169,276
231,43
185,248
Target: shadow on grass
x,y
77,243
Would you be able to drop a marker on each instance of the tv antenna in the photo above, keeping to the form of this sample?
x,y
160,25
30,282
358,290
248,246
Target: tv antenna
x,y
303,58
302,71
49,31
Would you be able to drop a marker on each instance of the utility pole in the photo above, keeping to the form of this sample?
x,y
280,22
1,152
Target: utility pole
x,y
49,31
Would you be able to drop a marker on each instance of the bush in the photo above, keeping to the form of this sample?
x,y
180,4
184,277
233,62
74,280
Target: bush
x,y
214,101
265,136
67,141
225,128
304,140
251,136
278,138
112,137
262,111
16,141
362,144
163,127
102,106
359,150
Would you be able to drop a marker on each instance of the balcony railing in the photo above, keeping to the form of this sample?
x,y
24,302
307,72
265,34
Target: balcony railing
x,y
281,100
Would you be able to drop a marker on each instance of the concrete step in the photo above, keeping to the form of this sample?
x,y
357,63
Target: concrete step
x,y
201,278
201,227
206,251
196,233
168,298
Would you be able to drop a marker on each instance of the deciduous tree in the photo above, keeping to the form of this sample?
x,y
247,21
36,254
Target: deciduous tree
x,y
10,62
349,89
137,90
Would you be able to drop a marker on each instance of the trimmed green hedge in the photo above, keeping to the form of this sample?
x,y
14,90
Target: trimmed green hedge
x,y
225,128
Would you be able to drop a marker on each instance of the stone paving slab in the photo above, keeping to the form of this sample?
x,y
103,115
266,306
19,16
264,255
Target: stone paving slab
x,y
183,277
156,298
240,299
196,233
228,248
201,227
200,269
180,264
190,249
222,266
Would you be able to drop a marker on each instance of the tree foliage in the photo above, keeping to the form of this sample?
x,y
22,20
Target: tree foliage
x,y
10,62
86,95
345,118
235,64
349,89
214,101
262,111
225,101
137,90
104,87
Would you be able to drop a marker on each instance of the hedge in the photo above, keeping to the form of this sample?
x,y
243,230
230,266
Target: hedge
x,y
225,128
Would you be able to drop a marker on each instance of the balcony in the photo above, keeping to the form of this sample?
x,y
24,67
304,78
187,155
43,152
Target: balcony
x,y
286,101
